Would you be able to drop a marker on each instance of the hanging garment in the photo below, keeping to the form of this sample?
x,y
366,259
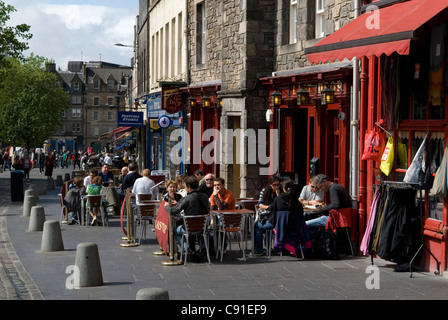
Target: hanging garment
x,y
437,59
418,172
382,209
439,186
397,224
364,247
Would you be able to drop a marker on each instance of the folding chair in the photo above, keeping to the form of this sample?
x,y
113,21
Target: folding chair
x,y
95,201
344,218
144,197
146,212
64,210
195,226
288,229
230,222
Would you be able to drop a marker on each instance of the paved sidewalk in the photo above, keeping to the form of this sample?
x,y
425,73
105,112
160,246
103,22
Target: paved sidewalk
x,y
26,273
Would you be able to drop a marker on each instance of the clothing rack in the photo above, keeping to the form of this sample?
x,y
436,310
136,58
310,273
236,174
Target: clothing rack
x,y
422,246
390,134
423,240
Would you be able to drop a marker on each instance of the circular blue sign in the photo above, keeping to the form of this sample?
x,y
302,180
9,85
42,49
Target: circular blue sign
x,y
164,122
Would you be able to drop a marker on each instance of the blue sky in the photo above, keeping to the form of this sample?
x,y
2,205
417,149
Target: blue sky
x,y
78,29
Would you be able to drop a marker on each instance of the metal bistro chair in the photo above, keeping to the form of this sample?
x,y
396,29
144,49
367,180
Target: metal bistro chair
x,y
144,197
230,222
195,226
146,212
95,201
268,233
249,204
64,210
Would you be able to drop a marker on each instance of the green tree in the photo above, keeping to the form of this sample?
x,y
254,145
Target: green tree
x,y
10,36
32,102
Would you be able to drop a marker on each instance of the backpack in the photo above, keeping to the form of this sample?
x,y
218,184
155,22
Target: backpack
x,y
323,244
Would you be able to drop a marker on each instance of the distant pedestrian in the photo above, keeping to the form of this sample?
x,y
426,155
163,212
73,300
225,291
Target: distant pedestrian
x,y
50,163
41,160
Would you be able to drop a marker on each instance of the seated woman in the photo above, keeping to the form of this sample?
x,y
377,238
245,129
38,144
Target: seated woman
x,y
288,215
95,189
267,196
172,196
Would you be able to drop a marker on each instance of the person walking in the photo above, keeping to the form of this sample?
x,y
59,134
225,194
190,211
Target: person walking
x,y
49,164
41,161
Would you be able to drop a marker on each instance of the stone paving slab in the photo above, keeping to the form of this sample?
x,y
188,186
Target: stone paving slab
x,y
127,270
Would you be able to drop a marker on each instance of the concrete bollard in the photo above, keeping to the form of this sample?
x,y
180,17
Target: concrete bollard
x,y
87,263
67,177
52,237
37,219
59,181
33,187
152,294
29,201
42,188
50,184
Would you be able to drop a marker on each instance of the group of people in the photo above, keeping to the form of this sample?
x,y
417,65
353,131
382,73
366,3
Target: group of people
x,y
197,195
22,160
93,184
279,197
200,194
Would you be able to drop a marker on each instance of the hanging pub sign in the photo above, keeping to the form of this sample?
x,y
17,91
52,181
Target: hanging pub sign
x,y
172,99
129,119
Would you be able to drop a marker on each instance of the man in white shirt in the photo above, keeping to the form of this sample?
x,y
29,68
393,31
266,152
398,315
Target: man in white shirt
x,y
311,195
144,185
108,159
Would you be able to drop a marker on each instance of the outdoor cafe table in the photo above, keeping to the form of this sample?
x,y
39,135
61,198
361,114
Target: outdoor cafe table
x,y
247,212
311,212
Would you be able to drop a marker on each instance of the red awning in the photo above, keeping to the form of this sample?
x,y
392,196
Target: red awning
x,y
121,129
387,30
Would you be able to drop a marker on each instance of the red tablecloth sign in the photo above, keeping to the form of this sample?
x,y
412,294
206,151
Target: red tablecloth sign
x,y
162,223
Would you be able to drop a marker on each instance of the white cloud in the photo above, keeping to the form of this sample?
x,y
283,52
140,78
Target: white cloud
x,y
77,32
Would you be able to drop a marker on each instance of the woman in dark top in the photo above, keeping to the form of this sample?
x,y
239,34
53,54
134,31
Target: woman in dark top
x,y
268,194
266,222
287,216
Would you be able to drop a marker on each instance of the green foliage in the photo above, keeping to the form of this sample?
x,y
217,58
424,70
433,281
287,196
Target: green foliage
x,y
30,102
10,43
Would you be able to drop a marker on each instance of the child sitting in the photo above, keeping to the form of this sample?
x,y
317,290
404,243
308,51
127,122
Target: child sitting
x,y
95,188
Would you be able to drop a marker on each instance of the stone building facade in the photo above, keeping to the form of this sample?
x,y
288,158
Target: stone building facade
x,y
95,89
230,46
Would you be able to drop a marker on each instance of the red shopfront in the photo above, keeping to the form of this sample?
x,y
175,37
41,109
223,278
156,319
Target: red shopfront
x,y
313,137
403,85
204,113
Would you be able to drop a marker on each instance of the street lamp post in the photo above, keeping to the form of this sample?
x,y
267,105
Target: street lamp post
x,y
124,45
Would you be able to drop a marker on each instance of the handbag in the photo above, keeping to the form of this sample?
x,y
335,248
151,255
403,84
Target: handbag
x,y
263,215
419,172
387,160
374,144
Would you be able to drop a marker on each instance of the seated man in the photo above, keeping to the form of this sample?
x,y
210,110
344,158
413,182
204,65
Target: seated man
x,y
92,174
72,200
194,203
339,198
107,175
144,185
311,195
221,198
207,187
131,176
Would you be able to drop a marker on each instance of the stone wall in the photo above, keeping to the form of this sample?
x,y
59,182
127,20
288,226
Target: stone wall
x,y
291,56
